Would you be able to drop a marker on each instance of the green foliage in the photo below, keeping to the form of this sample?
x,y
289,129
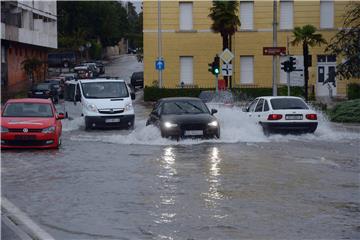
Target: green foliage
x,y
306,35
225,17
95,50
346,43
353,91
348,111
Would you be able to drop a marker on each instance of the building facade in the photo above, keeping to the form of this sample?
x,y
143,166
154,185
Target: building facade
x,y
28,30
188,44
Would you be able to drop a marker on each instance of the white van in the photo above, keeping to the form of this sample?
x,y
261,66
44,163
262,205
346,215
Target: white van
x,y
102,102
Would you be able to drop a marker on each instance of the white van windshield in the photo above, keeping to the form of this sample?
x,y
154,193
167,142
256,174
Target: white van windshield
x,y
104,90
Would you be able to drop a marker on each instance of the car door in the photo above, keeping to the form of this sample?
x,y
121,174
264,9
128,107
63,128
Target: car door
x,y
258,110
251,107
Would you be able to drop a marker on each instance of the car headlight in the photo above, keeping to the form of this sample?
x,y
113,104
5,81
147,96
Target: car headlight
x,y
128,107
49,130
91,107
4,129
170,125
213,124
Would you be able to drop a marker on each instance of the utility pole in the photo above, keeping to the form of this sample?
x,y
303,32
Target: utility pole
x,y
159,42
274,76
288,73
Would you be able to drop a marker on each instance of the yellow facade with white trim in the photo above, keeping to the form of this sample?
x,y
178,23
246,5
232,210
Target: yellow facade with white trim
x,y
203,44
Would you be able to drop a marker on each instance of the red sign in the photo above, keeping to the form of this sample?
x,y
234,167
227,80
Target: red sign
x,y
274,50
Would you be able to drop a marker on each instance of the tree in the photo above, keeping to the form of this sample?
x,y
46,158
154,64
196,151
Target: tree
x,y
30,66
224,15
307,37
346,43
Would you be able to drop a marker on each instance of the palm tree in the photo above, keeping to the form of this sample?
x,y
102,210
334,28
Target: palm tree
x,y
30,66
224,15
307,37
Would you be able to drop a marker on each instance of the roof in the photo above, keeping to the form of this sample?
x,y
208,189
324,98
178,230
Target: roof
x,y
95,80
275,97
29,100
169,99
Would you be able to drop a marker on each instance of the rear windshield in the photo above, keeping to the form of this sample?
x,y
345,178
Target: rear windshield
x,y
28,110
288,103
184,107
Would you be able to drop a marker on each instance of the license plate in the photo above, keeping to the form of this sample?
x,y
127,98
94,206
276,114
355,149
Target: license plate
x,y
193,133
25,137
112,120
38,93
293,117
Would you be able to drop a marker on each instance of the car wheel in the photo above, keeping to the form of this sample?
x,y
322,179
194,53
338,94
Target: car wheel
x,y
266,130
58,142
217,135
87,125
66,115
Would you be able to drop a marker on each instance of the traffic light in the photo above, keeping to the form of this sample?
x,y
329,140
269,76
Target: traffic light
x,y
210,67
286,66
216,65
292,63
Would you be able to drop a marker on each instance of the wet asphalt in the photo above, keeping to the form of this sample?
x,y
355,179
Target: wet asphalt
x,y
96,188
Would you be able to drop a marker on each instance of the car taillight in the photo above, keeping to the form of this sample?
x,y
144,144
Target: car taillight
x,y
274,117
311,116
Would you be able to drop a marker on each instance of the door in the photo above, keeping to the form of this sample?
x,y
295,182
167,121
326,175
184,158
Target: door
x,y
258,112
326,79
72,108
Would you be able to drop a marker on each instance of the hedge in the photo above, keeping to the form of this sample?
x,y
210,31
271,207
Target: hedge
x,y
353,91
155,93
348,111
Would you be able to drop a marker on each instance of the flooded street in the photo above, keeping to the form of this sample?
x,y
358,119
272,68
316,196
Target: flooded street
x,y
132,184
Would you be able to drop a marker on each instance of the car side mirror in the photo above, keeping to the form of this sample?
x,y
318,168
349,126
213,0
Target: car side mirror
x,y
213,111
60,116
132,94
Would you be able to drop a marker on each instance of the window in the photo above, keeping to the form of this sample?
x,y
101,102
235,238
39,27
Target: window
x,y
286,14
186,70
259,106
186,16
266,106
246,69
252,105
246,15
326,14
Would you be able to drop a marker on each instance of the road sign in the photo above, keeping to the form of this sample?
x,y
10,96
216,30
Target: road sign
x,y
159,64
274,51
226,69
226,56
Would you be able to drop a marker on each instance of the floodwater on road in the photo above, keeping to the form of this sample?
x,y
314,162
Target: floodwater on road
x,y
122,184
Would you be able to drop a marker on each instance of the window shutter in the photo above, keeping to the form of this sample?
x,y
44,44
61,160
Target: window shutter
x,y
186,16
326,14
286,14
246,15
186,70
247,70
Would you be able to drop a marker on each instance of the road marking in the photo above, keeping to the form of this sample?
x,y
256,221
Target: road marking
x,y
21,218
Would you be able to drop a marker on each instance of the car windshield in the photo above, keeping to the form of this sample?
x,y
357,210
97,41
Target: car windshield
x,y
28,110
43,86
184,107
104,90
288,103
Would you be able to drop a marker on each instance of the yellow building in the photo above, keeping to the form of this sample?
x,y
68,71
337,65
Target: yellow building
x,y
188,44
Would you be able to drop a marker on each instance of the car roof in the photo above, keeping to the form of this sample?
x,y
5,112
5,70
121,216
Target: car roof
x,y
279,97
171,99
29,100
96,80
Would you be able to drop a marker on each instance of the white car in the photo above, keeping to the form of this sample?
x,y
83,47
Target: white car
x,y
282,114
102,102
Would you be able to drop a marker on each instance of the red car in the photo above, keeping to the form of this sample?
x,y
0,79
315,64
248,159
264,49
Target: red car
x,y
30,123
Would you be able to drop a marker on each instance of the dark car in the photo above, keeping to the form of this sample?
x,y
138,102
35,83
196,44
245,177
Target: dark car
x,y
61,59
58,84
184,117
137,79
100,66
45,90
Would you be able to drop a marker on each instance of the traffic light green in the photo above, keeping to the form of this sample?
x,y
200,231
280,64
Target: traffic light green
x,y
216,66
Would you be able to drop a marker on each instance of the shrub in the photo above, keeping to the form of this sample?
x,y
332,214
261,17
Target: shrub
x,y
348,111
353,91
155,93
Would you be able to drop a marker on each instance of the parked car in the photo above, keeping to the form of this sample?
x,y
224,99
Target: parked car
x,y
68,76
29,123
131,51
58,83
45,90
102,102
137,79
61,59
93,67
184,117
83,72
100,65
282,115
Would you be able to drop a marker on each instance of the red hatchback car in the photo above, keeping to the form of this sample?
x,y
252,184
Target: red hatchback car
x,y
30,123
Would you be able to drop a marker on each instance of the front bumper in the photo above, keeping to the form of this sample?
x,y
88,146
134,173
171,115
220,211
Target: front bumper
x,y
205,132
290,126
33,140
123,121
